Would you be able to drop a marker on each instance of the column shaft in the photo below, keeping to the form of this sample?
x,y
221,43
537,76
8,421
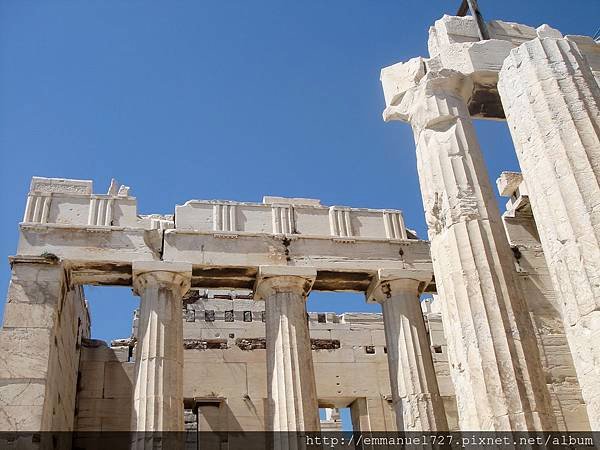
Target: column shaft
x,y
158,393
493,354
291,385
415,392
290,372
552,105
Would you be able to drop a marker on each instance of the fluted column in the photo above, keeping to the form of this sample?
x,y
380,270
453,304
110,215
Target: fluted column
x,y
158,391
415,392
552,105
492,350
290,373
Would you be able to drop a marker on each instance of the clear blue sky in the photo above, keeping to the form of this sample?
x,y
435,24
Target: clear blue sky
x,y
223,99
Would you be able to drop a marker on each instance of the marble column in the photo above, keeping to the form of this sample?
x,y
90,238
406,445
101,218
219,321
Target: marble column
x,y
158,391
415,392
552,105
492,350
291,385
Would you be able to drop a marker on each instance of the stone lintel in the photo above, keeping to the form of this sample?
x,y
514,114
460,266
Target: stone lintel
x,y
294,279
323,253
223,277
475,59
74,243
416,280
105,257
449,30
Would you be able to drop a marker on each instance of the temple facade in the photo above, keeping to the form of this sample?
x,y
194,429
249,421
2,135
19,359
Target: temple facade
x,y
491,324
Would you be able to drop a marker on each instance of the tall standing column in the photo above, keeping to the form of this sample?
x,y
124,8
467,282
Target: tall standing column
x,y
492,350
415,392
552,105
158,392
291,385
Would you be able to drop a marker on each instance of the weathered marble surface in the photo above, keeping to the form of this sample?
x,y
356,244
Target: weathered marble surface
x,y
415,393
158,392
550,93
44,323
546,85
291,384
552,104
493,354
544,305
102,235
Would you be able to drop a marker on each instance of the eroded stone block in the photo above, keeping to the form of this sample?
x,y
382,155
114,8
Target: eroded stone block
x,y
60,185
508,183
399,78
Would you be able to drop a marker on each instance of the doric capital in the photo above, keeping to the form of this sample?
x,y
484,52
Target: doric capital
x,y
390,283
438,94
447,82
283,279
174,275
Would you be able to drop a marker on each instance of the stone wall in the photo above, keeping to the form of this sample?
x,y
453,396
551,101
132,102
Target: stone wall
x,y
71,327
225,368
105,388
44,323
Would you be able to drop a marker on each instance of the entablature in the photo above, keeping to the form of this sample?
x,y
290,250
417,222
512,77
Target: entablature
x,y
98,237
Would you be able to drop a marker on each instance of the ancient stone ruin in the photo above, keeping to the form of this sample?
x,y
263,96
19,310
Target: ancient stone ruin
x,y
221,341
